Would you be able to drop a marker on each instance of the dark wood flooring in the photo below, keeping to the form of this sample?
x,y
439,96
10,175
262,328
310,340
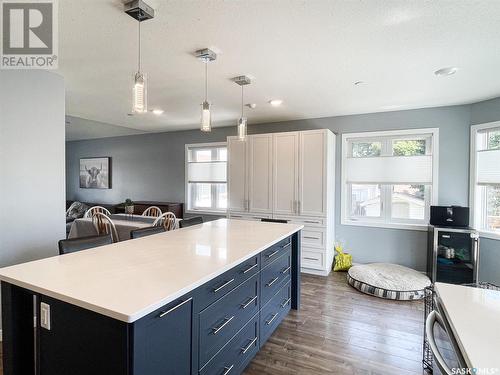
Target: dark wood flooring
x,y
341,331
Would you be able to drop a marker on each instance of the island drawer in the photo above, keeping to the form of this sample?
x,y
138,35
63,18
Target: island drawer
x,y
218,287
274,252
274,276
273,313
237,352
221,320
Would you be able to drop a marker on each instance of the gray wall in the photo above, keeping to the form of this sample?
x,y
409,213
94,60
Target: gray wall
x,y
32,169
152,167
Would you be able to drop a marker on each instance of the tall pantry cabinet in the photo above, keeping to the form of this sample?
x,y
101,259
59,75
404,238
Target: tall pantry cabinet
x,y
290,176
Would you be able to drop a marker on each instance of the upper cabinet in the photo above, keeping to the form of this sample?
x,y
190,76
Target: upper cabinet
x,y
237,174
260,182
286,173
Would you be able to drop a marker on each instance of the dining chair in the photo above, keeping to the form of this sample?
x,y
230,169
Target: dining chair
x,y
83,243
191,221
281,221
104,225
152,211
166,220
96,209
143,232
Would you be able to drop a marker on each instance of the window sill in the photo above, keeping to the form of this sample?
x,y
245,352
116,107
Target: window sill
x,y
206,212
417,227
489,235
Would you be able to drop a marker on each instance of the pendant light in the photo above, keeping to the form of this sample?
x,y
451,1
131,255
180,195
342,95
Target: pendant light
x,y
206,55
242,121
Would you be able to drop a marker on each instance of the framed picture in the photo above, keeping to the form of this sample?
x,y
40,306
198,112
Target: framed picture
x,y
95,173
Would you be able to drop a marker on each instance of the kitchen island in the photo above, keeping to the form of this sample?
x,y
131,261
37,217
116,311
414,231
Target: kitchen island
x,y
199,300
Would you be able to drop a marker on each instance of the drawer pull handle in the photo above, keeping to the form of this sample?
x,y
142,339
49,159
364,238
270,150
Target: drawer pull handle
x,y
273,253
285,246
311,258
285,303
174,308
228,370
446,236
286,270
272,281
250,268
244,350
216,330
245,305
272,319
311,238
311,222
223,285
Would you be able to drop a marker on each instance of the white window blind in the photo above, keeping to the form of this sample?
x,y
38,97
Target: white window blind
x,y
207,172
488,167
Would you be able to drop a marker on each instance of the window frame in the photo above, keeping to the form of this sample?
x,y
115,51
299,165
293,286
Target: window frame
x,y
387,139
475,198
189,194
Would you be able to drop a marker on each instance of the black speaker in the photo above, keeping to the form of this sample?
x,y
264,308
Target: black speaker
x,y
450,216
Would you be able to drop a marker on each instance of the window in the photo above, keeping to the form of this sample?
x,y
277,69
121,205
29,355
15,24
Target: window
x,y
485,178
389,179
206,182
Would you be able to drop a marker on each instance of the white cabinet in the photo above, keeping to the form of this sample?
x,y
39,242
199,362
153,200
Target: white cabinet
x,y
285,173
237,174
260,183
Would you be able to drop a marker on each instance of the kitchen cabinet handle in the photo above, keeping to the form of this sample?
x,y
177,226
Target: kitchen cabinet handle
x,y
286,270
285,246
285,303
247,348
245,305
272,281
311,222
223,285
228,370
311,238
216,330
432,319
298,207
272,319
174,308
446,236
250,268
308,258
273,254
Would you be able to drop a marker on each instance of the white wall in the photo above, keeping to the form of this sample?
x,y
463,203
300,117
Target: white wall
x,y
32,165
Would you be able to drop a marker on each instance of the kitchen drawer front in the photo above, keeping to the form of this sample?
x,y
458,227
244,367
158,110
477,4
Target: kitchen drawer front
x,y
221,320
218,287
248,216
313,237
312,258
306,221
274,252
274,276
233,356
273,313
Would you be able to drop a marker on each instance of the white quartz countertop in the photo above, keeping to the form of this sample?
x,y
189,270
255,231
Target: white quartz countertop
x,y
474,317
130,279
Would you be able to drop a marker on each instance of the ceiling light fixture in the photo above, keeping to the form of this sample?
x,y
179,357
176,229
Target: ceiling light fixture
x,y
158,111
206,55
276,102
242,122
448,71
140,11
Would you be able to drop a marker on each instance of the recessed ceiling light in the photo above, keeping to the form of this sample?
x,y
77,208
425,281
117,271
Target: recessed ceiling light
x,y
157,111
276,102
448,71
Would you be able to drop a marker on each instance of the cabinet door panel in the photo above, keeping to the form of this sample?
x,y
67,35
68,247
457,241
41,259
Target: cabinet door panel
x,y
236,174
312,173
259,173
285,173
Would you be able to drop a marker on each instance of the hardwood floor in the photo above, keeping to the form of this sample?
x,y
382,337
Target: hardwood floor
x,y
342,331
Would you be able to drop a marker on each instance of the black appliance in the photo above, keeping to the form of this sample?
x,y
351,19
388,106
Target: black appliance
x,y
451,216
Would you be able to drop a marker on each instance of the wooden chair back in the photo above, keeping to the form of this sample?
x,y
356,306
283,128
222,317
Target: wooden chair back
x,y
96,209
152,211
104,225
167,220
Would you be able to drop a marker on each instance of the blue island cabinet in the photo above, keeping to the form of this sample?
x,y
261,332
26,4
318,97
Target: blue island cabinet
x,y
216,329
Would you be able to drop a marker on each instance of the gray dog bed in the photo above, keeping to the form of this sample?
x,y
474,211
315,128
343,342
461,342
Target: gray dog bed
x,y
390,281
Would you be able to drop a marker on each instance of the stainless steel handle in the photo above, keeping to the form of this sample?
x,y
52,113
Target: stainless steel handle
x,y
273,254
272,319
245,305
285,246
285,303
174,308
311,222
308,258
445,236
433,318
228,369
247,348
223,285
250,268
311,238
216,330
286,270
298,207
272,281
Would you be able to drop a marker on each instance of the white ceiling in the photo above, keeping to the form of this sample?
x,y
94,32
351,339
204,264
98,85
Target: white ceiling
x,y
308,53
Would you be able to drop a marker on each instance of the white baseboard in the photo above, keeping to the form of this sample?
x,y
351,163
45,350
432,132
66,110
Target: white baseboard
x,y
314,272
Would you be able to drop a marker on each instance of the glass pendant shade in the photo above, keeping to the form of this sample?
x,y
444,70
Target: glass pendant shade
x,y
140,97
242,128
206,117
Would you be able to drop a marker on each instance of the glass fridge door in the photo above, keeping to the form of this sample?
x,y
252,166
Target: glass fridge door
x,y
455,257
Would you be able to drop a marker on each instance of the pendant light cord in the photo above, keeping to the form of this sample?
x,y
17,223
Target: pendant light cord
x,y
242,101
206,80
139,37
